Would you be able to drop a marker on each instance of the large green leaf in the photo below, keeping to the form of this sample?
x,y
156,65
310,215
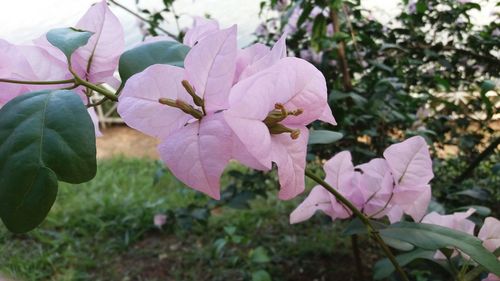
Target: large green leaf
x,y
45,136
324,137
162,52
434,237
384,267
68,39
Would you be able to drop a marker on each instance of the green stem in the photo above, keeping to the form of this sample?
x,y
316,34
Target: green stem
x,y
364,220
68,81
79,81
357,256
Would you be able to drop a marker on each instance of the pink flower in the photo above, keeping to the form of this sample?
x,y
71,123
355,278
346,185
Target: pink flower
x,y
283,98
160,220
196,142
457,221
490,234
381,187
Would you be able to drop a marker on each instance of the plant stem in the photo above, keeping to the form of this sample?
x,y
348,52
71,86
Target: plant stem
x,y
482,156
141,18
68,81
357,256
79,81
364,220
346,77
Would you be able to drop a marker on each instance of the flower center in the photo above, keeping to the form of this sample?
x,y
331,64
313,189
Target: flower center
x,y
184,106
279,114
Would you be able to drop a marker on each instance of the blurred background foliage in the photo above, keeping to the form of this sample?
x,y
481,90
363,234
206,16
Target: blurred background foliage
x,y
431,72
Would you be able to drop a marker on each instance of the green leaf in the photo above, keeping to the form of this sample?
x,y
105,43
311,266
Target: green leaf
x,y
487,86
323,137
356,227
261,275
45,136
384,267
434,237
476,193
381,65
163,52
340,36
421,7
480,210
68,39
259,255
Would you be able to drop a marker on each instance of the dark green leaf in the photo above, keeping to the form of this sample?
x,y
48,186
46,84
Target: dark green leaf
x,y
357,227
261,275
434,237
381,65
324,137
45,136
340,36
259,255
476,193
68,39
163,52
384,267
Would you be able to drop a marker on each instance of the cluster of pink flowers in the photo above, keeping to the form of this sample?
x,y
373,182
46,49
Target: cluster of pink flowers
x,y
251,105
95,62
391,186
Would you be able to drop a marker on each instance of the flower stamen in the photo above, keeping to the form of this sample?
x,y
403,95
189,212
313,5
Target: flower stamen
x,y
182,105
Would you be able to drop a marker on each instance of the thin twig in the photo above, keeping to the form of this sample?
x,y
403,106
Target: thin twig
x,y
346,77
141,18
353,35
56,82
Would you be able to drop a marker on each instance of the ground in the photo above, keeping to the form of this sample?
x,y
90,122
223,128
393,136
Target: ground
x,y
124,141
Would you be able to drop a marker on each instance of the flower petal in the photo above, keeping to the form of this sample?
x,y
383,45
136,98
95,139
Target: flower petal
x,y
210,67
277,53
318,199
98,59
95,121
198,153
290,157
248,56
308,88
138,103
490,233
414,201
410,162
202,28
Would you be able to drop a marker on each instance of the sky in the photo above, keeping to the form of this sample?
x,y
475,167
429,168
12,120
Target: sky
x,y
23,20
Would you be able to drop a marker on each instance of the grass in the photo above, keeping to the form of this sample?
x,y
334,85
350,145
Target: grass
x,y
103,230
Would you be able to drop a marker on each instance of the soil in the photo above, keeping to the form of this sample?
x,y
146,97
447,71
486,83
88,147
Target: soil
x,y
125,141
